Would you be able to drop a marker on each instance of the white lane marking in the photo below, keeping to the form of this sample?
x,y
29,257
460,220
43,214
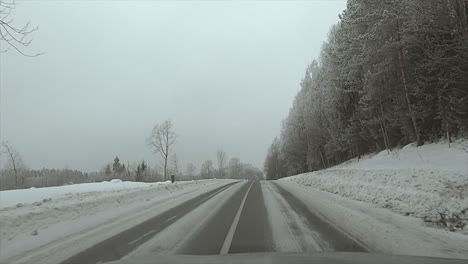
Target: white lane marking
x,y
143,236
170,219
175,216
149,232
134,241
232,230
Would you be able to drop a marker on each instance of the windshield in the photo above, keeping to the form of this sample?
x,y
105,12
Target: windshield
x,y
139,128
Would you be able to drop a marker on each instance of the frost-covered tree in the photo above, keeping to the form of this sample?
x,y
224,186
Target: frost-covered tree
x,y
206,171
235,168
190,170
140,171
390,73
273,166
117,167
221,157
108,170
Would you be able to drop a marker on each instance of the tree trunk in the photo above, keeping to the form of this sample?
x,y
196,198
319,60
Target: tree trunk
x,y
358,149
383,126
328,160
383,120
323,160
386,135
466,14
447,128
404,80
449,137
408,101
165,163
276,172
15,170
383,135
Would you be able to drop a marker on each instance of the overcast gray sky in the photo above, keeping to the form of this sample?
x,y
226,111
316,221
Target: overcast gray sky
x,y
225,72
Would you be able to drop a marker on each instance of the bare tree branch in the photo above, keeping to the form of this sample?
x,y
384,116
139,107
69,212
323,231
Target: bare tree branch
x,y
16,162
14,37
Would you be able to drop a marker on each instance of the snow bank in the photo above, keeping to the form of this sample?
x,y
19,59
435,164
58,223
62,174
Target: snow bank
x,y
430,181
436,156
12,198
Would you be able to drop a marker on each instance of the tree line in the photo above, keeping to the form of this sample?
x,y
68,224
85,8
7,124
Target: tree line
x,y
163,137
390,73
234,169
15,174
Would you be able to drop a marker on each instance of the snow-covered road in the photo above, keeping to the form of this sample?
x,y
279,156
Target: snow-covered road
x,y
45,220
210,217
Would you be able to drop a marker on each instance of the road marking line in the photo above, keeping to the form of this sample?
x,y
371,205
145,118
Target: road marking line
x,y
143,236
232,230
200,224
170,219
136,251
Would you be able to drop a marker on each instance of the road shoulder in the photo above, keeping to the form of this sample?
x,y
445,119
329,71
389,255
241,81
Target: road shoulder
x,y
379,229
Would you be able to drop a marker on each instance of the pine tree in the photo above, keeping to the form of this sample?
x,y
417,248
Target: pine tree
x,y
391,72
143,166
116,167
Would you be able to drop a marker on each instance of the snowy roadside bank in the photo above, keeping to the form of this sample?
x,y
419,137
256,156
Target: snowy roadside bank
x,y
20,197
76,210
381,230
429,182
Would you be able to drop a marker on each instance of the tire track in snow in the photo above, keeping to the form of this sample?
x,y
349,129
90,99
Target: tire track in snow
x,y
290,230
330,237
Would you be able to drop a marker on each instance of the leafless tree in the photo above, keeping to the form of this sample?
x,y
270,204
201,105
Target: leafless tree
x,y
190,170
221,155
161,139
235,168
15,162
206,170
15,37
175,164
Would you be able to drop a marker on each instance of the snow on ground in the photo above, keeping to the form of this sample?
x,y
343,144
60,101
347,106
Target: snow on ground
x,y
54,214
424,181
381,230
12,198
437,156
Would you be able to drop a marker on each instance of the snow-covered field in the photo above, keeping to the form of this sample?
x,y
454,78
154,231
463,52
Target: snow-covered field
x,y
429,182
33,218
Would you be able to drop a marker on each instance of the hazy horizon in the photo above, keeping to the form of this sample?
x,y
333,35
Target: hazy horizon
x,y
225,73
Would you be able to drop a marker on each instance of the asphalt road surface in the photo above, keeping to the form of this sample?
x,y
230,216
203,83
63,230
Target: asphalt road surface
x,y
242,217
